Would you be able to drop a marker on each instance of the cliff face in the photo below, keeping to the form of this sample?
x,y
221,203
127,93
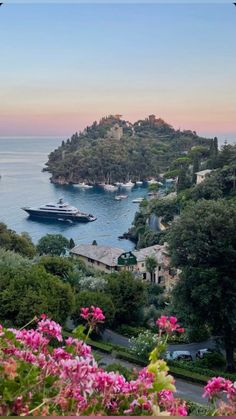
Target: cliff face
x,y
114,150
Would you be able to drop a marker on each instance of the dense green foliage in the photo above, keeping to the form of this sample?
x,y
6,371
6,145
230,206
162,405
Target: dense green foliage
x,y
56,265
27,290
128,296
144,150
53,244
19,243
220,183
203,245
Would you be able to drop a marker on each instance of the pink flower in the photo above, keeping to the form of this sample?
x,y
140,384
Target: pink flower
x,y
50,328
93,315
1,330
31,338
169,325
85,313
217,385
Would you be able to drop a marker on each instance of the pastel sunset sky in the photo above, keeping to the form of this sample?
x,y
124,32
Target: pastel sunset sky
x,y
62,66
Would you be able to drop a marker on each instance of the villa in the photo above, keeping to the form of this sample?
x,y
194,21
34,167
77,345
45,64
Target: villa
x,y
112,259
202,175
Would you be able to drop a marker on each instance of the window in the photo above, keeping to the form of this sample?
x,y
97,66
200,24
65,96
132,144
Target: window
x,y
144,276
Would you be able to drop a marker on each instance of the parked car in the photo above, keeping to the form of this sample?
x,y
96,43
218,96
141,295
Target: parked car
x,y
178,356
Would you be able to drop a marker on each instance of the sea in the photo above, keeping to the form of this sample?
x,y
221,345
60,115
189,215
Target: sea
x,y
23,183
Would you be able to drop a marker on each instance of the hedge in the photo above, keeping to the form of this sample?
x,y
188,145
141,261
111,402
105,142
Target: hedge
x,y
196,409
188,375
187,366
131,358
100,346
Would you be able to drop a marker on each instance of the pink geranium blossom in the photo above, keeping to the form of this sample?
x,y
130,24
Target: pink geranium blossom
x,y
169,325
50,328
92,315
217,385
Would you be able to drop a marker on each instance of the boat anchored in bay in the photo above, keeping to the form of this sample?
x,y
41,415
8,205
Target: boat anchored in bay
x,y
60,212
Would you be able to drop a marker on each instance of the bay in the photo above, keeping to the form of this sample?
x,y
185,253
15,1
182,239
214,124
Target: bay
x,y
23,183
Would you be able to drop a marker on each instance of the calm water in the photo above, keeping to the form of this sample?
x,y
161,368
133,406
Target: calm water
x,y
23,183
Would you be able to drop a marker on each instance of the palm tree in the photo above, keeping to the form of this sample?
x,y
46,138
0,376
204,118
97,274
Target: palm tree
x,y
151,264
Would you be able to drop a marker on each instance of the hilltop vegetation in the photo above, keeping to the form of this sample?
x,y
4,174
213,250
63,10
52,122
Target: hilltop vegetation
x,y
115,150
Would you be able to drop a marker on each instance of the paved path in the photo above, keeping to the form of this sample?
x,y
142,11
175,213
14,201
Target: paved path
x,y
185,390
117,339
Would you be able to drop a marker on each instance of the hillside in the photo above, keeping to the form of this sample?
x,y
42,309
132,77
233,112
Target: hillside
x,y
220,184
114,150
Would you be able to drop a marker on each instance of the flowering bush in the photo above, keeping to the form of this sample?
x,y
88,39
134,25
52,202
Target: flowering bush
x,y
143,344
39,379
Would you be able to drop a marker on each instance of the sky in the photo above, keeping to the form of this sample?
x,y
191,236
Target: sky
x,y
62,66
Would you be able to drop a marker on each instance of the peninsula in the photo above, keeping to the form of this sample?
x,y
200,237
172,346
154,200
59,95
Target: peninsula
x,y
115,150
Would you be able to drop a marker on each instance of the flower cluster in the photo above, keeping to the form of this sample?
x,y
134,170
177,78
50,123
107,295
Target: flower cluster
x,y
40,380
169,325
219,389
93,315
172,405
49,327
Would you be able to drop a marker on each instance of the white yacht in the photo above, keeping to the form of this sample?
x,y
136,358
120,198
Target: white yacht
x,y
110,188
127,184
83,185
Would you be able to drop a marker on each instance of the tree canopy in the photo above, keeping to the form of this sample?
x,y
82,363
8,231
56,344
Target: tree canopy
x,y
202,244
27,291
128,295
19,243
53,244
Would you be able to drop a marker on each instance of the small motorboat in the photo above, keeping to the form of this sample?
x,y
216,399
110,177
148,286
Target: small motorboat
x,y
139,182
120,197
83,185
137,200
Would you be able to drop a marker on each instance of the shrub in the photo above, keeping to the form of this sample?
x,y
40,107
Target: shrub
x,y
143,344
211,360
130,331
196,409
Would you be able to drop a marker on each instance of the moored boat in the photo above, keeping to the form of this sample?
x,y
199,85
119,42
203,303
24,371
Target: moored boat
x,y
60,212
83,185
137,200
127,184
120,197
109,187
152,182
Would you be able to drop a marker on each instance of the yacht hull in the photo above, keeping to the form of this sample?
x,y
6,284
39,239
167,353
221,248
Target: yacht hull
x,y
79,218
